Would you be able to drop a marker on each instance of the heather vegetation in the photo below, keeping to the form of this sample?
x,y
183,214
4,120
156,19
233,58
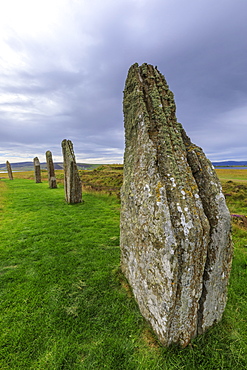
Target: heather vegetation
x,y
64,302
106,178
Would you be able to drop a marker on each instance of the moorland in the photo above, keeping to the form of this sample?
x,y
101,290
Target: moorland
x,y
64,302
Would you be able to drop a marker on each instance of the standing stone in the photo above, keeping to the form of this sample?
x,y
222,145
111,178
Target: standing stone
x,y
51,172
37,173
9,169
176,247
72,182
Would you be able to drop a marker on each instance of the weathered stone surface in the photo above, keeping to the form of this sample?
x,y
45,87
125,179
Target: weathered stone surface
x,y
37,172
176,247
72,182
51,172
9,169
219,251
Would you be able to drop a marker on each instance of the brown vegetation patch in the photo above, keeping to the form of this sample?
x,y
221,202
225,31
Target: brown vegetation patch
x,y
105,179
232,175
126,287
149,338
3,188
240,220
123,281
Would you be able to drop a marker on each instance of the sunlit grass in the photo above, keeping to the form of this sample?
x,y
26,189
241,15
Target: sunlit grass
x,y
232,175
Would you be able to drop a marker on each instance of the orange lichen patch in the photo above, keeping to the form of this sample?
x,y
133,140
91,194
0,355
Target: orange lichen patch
x,y
158,187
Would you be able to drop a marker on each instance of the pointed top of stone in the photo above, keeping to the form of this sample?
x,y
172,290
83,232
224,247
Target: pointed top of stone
x,y
68,148
36,161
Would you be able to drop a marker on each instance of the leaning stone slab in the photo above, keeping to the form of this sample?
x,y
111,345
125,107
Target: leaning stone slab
x,y
72,182
37,172
9,169
51,172
176,247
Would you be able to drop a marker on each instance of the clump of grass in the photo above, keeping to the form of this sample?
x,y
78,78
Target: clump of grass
x,y
236,197
65,304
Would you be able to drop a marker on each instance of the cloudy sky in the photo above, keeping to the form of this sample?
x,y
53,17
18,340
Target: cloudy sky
x,y
63,65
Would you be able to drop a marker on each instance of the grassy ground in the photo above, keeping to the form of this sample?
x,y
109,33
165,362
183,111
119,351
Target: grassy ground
x,y
29,175
232,175
65,305
106,178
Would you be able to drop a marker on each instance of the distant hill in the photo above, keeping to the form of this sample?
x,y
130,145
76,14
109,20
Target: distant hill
x,y
229,163
28,166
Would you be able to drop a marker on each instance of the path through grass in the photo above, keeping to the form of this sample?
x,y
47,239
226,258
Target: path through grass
x,y
64,304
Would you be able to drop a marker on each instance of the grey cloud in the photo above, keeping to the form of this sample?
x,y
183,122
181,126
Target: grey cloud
x,y
71,83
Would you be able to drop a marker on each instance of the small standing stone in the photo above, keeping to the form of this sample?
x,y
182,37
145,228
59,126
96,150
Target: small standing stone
x,y
51,172
72,182
176,248
9,169
37,172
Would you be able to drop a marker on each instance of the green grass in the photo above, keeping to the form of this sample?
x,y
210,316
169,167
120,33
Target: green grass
x,y
236,195
65,305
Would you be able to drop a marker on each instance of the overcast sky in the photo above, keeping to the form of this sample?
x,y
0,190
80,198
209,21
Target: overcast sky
x,y
63,66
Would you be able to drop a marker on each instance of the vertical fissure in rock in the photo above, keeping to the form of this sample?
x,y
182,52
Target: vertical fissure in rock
x,y
202,299
150,87
159,144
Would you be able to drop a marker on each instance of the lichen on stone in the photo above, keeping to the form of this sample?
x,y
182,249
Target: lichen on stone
x,y
175,226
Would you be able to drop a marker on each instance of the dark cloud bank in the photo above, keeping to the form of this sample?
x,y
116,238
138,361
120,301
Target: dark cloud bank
x,y
64,77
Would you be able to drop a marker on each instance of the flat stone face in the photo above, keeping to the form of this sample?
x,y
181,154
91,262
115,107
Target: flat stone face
x,y
51,172
72,182
175,230
37,172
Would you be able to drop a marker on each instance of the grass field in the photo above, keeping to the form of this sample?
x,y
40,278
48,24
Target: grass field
x,y
232,175
64,303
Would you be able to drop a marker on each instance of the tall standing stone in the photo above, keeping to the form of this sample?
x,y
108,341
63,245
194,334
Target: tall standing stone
x,y
72,182
51,172
37,172
9,169
176,247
